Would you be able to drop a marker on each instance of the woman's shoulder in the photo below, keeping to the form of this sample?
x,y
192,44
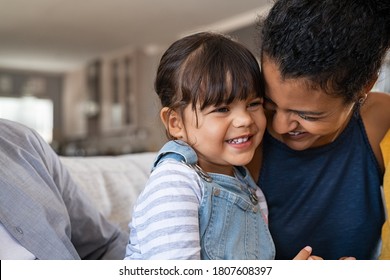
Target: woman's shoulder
x,y
376,118
378,99
376,112
376,96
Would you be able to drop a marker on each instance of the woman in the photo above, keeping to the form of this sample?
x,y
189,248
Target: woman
x,y
320,166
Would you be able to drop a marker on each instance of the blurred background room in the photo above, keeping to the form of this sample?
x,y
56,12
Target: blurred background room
x,y
81,72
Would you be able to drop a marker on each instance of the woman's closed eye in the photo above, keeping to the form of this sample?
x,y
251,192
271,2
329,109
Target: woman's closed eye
x,y
269,105
307,118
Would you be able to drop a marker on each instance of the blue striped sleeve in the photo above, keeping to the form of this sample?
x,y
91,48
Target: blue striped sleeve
x,y
165,217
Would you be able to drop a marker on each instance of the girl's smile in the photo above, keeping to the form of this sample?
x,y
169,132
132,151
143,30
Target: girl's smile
x,y
225,136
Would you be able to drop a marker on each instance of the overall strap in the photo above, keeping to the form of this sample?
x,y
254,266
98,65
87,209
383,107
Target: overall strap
x,y
181,152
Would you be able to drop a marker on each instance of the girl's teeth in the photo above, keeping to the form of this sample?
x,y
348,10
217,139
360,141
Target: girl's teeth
x,y
239,140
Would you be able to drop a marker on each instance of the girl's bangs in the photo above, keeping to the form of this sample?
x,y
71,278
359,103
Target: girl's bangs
x,y
221,84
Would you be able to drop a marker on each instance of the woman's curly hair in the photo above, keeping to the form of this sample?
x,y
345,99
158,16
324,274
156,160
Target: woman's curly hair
x,y
336,46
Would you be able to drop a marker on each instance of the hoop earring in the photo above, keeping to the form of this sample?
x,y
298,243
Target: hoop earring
x,y
362,99
359,103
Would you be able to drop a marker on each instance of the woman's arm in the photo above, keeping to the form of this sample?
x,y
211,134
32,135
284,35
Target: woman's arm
x,y
375,113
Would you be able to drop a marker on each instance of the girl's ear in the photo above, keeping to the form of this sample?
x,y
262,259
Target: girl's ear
x,y
173,123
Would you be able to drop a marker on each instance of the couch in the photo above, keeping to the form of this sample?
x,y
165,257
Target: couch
x,y
112,182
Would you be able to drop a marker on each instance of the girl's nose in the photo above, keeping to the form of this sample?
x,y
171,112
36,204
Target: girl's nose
x,y
242,119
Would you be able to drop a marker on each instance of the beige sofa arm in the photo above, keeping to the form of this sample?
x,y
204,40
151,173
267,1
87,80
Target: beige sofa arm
x,y
112,182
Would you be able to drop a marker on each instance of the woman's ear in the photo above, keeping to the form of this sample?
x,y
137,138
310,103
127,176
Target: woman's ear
x,y
371,84
173,123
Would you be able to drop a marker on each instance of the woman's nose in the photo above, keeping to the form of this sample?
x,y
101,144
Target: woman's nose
x,y
283,122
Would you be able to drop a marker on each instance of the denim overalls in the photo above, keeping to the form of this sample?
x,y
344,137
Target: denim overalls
x,y
230,220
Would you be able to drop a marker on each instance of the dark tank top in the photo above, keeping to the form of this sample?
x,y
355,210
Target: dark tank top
x,y
327,197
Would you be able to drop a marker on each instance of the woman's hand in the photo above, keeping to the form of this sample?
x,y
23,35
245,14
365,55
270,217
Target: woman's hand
x,y
305,254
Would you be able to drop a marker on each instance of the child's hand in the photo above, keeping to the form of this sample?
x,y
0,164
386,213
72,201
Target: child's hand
x,y
305,254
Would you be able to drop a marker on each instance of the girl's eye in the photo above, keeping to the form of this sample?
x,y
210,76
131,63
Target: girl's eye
x,y
256,103
221,110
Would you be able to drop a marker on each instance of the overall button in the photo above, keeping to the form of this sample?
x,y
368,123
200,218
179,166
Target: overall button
x,y
204,175
253,197
217,192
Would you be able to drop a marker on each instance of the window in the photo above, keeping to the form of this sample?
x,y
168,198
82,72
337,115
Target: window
x,y
33,112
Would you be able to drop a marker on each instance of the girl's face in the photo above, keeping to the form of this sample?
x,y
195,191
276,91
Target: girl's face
x,y
225,135
300,116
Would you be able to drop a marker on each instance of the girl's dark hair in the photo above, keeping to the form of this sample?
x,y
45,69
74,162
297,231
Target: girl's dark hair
x,y
206,69
336,45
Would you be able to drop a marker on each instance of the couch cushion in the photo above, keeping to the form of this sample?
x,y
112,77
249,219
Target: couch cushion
x,y
112,182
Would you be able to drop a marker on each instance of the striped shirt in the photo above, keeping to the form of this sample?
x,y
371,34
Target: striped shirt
x,y
165,222
165,217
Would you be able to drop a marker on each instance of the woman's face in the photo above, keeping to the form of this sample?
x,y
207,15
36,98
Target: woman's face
x,y
299,116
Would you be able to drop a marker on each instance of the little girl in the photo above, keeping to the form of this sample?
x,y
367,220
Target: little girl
x,y
200,202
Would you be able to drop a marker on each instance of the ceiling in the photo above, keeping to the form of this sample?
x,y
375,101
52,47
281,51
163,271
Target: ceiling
x,y
58,35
